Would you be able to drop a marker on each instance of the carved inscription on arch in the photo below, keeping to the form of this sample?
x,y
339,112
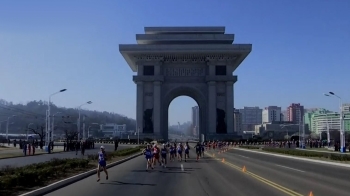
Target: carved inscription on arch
x,y
184,71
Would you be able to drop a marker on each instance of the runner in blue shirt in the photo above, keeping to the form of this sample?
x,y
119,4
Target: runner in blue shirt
x,y
148,155
102,163
164,152
172,152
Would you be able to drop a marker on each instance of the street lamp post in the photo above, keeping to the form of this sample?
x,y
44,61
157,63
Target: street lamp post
x,y
302,123
28,129
48,130
1,124
79,107
328,134
7,126
303,120
53,124
342,134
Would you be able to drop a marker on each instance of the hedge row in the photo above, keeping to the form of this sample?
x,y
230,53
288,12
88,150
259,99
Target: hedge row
x,y
14,179
250,147
38,174
124,152
305,153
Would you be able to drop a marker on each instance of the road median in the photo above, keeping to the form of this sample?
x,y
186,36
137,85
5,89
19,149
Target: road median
x,y
42,178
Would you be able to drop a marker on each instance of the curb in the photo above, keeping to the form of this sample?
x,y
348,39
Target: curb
x,y
65,182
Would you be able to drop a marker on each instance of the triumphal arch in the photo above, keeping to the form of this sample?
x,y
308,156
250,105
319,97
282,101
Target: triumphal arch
x,y
194,61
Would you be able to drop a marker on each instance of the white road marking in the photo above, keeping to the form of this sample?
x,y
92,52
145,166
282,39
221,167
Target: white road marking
x,y
243,156
182,167
290,168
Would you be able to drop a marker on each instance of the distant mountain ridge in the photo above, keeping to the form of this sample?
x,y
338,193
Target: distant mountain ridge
x,y
35,111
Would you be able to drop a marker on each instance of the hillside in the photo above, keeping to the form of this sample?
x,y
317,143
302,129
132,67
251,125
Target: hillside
x,y
34,112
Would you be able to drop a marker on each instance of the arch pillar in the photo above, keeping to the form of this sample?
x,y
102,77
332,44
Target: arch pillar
x,y
157,108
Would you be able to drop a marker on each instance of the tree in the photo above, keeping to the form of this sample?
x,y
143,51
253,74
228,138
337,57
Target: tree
x,y
70,130
40,131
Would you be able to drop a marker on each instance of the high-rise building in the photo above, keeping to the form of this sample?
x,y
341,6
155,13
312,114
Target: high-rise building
x,y
284,115
271,114
195,120
237,119
321,119
295,113
251,116
346,107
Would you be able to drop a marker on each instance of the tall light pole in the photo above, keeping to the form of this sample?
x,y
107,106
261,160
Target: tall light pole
x,y
328,134
48,131
303,120
7,126
79,107
53,124
28,129
341,130
1,124
90,127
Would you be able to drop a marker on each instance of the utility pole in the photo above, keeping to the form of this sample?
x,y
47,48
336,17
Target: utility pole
x,y
84,127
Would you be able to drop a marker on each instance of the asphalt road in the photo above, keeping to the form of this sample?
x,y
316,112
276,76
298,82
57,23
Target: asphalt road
x,y
206,177
300,176
22,161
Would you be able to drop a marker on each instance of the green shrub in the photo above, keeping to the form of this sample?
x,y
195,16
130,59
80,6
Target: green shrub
x,y
339,157
119,153
37,174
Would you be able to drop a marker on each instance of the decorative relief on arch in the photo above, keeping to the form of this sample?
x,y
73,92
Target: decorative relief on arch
x,y
221,95
148,121
185,79
221,126
148,95
184,71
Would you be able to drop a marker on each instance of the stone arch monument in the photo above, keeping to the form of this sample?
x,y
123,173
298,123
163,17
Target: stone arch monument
x,y
194,61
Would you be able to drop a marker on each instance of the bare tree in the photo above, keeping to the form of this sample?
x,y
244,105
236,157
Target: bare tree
x,y
70,130
40,131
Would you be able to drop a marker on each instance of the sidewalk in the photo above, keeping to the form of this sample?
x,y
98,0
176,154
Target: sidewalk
x,y
16,152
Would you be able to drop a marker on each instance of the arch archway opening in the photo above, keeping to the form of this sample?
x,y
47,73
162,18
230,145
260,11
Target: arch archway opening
x,y
184,119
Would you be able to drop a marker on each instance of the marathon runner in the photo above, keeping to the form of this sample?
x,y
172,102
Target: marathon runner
x,y
156,153
198,148
164,152
179,151
148,155
172,152
102,163
187,151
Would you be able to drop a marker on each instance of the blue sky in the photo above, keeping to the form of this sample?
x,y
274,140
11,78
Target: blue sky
x,y
301,49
